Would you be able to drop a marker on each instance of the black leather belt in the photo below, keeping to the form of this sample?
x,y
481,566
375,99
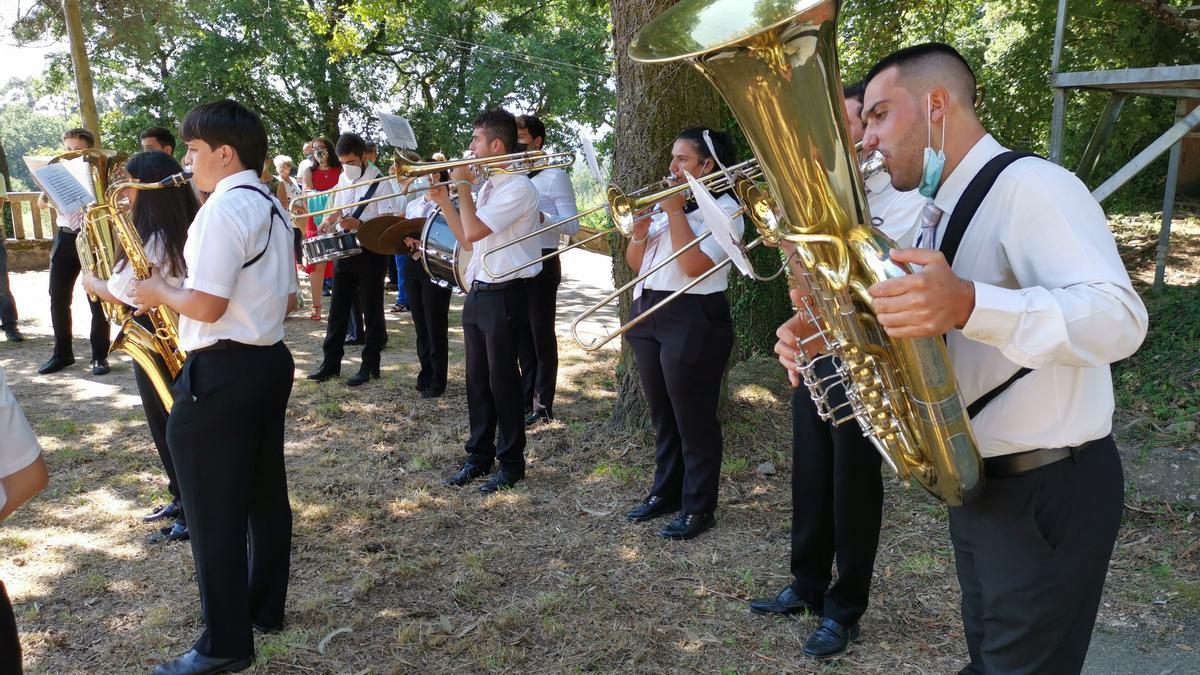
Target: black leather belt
x,y
1005,466
485,286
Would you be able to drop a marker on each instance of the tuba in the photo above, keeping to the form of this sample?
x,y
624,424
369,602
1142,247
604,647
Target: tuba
x,y
95,244
775,63
133,338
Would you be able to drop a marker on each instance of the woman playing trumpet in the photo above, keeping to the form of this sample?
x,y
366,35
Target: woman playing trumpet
x,y
162,218
682,350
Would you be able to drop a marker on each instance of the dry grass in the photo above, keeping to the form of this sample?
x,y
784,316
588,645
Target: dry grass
x,y
392,572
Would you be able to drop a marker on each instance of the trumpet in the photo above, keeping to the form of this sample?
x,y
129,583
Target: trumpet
x,y
523,162
626,207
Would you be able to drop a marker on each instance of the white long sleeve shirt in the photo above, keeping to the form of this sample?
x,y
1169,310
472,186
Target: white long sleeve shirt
x,y
556,200
1051,294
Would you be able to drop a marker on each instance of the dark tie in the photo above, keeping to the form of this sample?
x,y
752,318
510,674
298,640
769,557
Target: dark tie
x,y
931,215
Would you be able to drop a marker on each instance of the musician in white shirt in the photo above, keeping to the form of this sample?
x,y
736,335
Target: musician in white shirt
x,y
359,276
1036,284
538,351
496,309
226,428
428,301
64,270
682,349
161,218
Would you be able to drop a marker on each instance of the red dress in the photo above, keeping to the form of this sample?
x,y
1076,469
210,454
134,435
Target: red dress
x,y
322,179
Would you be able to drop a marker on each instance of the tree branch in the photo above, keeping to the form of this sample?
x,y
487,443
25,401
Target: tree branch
x,y
1166,14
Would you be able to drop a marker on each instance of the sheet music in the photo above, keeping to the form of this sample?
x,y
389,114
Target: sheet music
x,y
589,156
398,131
62,185
721,225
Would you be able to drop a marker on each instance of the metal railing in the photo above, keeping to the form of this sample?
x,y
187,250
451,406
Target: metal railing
x,y
28,220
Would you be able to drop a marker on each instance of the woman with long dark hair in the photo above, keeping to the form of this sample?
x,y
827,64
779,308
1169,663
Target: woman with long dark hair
x,y
682,349
161,217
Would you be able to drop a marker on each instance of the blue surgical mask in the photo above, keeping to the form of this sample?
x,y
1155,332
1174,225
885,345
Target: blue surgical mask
x,y
931,169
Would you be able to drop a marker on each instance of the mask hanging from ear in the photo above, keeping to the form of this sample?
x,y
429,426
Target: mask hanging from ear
x,y
935,162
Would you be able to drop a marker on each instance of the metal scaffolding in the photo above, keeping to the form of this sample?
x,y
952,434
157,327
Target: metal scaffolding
x,y
1178,82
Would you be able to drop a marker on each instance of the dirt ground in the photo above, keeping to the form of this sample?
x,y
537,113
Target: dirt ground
x,y
393,573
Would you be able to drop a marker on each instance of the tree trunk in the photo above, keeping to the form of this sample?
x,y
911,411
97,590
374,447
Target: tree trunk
x,y
654,103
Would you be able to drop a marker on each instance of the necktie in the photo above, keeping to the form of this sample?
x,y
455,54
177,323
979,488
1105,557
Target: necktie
x,y
931,215
479,247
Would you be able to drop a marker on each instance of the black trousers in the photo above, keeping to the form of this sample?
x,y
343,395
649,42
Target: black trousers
x,y
10,641
156,421
837,507
429,306
8,305
538,350
492,324
226,436
361,278
1031,554
64,271
681,351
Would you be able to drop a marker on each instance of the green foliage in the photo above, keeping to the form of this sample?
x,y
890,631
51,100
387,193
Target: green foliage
x,y
1160,381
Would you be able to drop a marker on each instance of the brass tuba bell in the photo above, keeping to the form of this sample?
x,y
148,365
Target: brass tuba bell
x,y
775,63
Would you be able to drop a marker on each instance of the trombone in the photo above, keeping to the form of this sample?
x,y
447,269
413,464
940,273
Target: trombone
x,y
625,208
524,162
756,206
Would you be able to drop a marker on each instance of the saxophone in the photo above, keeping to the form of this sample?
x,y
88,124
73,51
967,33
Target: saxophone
x,y
775,63
133,338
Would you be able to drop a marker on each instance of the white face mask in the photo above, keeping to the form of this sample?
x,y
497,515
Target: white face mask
x,y
352,172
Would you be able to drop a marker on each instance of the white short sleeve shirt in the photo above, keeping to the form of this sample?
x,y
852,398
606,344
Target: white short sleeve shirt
x,y
508,205
556,199
671,277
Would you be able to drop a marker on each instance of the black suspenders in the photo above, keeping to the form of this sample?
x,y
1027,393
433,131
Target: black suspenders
x,y
270,225
960,218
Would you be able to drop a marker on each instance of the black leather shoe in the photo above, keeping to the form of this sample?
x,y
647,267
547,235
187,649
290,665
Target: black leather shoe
x,y
501,480
830,639
432,393
55,364
177,532
537,417
787,602
651,508
168,510
362,376
195,663
13,335
100,367
324,373
420,387
466,474
688,526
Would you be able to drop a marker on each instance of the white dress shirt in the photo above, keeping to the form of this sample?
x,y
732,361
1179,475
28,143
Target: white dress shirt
x,y
672,277
556,199
18,445
118,281
508,205
897,210
420,207
230,229
1051,294
359,193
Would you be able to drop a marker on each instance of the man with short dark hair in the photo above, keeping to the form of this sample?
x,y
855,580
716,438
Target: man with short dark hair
x,y
226,427
158,138
64,270
496,309
359,276
539,343
1020,272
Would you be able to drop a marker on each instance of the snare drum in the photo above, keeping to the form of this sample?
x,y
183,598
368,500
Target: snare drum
x,y
444,259
332,246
